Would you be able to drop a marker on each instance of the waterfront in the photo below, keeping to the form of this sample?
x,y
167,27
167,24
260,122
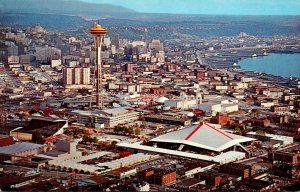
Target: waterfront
x,y
283,65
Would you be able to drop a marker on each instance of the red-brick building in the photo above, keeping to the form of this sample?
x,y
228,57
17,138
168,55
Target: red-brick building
x,y
201,74
242,170
279,109
145,175
164,177
6,140
159,91
221,119
259,122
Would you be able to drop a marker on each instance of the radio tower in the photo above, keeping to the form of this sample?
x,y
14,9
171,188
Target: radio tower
x,y
98,32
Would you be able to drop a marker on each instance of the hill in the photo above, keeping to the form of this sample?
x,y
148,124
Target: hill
x,y
64,7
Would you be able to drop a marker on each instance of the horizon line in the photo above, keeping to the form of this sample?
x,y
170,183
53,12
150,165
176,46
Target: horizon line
x,y
137,12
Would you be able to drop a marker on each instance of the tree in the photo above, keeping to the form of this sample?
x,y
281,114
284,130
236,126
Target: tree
x,y
237,131
89,139
119,128
85,139
137,131
116,129
261,133
37,137
129,130
94,140
113,144
195,118
255,112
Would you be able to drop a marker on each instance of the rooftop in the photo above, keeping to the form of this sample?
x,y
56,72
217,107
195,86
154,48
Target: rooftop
x,y
116,111
98,113
19,147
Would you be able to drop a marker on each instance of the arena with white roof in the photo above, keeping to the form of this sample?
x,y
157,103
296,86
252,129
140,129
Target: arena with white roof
x,y
202,137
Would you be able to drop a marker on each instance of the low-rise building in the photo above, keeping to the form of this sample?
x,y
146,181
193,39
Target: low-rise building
x,y
279,109
212,179
108,117
20,150
184,101
285,157
15,181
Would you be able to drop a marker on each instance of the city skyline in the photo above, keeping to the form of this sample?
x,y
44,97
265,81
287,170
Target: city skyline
x,y
107,96
213,7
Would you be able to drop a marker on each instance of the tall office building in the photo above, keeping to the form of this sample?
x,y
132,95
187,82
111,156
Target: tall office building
x,y
13,50
44,54
116,41
107,41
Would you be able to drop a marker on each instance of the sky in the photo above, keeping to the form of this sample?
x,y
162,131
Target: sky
x,y
218,7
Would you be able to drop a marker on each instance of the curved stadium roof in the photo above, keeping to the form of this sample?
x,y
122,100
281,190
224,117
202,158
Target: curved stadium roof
x,y
203,136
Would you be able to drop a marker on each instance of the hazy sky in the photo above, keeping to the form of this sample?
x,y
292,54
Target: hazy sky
x,y
228,7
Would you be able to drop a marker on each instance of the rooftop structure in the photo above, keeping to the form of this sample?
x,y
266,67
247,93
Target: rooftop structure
x,y
225,157
284,140
168,119
126,161
73,164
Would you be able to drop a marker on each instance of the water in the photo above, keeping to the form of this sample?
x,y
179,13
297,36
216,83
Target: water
x,y
283,65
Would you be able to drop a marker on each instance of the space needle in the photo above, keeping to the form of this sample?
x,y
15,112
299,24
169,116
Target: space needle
x,y
98,32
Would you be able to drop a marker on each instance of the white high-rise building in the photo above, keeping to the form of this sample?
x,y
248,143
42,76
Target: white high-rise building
x,y
106,41
76,77
86,75
68,76
45,53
